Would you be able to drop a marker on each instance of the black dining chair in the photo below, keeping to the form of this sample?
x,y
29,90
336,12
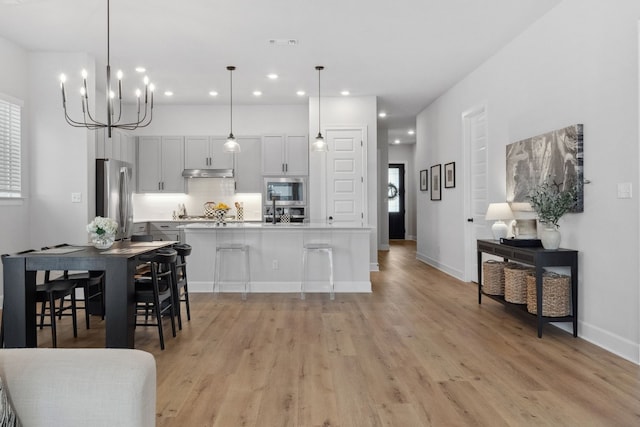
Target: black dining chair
x,y
182,288
92,285
154,293
47,294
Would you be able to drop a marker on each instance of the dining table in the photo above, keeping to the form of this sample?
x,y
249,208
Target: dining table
x,y
119,264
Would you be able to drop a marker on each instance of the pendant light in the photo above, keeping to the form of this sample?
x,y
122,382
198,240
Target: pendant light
x,y
319,145
231,146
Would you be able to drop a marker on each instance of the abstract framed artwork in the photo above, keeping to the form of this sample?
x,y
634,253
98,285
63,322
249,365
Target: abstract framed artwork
x,y
450,175
424,180
556,157
435,182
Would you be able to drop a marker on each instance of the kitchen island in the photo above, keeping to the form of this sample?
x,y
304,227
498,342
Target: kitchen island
x,y
275,254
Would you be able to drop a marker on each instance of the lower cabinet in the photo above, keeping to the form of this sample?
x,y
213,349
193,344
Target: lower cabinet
x,y
140,228
165,230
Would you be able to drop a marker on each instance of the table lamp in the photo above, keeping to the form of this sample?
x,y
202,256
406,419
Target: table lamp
x,y
499,212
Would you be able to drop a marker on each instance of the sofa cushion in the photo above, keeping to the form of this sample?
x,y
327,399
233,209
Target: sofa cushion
x,y
7,414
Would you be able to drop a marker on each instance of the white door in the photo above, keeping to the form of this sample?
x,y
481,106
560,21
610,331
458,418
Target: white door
x,y
273,155
345,175
474,124
297,155
196,152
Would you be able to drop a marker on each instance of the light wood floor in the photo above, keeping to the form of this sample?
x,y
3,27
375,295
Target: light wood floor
x,y
418,351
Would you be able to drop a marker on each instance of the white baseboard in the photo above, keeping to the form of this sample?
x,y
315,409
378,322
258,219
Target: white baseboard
x,y
454,272
374,266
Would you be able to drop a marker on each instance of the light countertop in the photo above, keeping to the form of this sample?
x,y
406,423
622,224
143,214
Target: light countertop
x,y
208,225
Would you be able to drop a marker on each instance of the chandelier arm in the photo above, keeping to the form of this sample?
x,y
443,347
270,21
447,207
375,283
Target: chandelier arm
x,y
140,123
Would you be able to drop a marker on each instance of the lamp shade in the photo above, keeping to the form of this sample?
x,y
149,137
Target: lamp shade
x,y
499,211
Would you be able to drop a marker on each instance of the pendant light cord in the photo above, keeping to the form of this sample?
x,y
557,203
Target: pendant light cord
x,y
319,69
231,98
108,33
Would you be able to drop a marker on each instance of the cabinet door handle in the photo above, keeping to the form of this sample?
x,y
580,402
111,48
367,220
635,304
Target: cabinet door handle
x,y
286,167
469,219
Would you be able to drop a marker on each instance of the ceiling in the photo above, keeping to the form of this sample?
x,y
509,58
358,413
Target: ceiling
x,y
405,52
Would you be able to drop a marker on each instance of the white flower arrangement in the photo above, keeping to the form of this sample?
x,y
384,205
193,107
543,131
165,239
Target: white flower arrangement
x,y
102,226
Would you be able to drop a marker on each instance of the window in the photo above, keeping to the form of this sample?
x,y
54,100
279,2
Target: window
x,y
10,147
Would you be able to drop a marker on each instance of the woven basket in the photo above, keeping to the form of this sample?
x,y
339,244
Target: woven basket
x,y
556,290
493,277
515,283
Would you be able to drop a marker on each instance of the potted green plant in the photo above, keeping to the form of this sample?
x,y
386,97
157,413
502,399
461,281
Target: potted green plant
x,y
551,203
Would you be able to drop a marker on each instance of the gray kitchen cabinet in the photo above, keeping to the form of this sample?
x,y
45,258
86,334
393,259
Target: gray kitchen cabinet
x,y
160,164
206,152
165,230
285,155
140,228
247,172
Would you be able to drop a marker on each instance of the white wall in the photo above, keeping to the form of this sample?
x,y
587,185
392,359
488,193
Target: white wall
x,y
62,159
348,111
14,215
577,64
405,154
383,180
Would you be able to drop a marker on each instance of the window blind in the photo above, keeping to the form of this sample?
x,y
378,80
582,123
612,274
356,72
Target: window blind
x,y
10,149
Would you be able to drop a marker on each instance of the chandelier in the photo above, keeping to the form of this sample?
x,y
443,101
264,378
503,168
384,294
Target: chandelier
x,y
114,114
319,144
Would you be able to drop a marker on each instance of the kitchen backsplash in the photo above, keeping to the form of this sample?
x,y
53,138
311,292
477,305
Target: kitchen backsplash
x,y
152,206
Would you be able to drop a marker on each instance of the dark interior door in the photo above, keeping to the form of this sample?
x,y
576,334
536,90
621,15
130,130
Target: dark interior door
x,y
396,201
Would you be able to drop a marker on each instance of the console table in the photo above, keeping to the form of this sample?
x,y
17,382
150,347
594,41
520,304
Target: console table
x,y
539,258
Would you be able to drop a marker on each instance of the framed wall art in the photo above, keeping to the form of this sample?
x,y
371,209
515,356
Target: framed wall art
x,y
556,157
450,175
435,182
424,180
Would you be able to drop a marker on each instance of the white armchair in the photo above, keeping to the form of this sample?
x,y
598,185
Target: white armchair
x,y
80,387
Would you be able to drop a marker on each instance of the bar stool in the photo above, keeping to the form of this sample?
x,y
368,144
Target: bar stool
x,y
320,248
237,248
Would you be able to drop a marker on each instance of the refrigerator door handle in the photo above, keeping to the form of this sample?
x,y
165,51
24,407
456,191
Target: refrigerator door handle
x,y
123,201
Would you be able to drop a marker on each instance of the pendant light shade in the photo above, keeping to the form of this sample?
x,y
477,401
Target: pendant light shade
x,y
319,145
231,146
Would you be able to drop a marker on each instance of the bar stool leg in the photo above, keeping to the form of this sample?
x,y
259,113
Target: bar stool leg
x,y
304,273
216,274
331,282
247,272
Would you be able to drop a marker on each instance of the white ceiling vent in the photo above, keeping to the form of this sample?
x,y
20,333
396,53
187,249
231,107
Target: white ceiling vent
x,y
283,42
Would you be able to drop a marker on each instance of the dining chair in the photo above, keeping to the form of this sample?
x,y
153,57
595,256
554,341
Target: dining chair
x,y
47,294
92,285
154,293
182,287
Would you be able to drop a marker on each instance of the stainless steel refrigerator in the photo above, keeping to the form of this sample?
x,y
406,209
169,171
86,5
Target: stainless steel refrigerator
x,y
114,194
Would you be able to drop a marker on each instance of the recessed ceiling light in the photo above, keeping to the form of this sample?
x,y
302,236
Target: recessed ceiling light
x,y
168,93
213,93
345,93
396,141
283,42
272,76
301,93
382,114
411,132
257,93
140,70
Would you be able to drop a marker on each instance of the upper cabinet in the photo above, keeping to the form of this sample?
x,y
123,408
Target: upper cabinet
x,y
121,146
160,164
285,155
248,172
204,152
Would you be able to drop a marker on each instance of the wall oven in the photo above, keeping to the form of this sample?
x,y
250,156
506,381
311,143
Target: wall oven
x,y
287,196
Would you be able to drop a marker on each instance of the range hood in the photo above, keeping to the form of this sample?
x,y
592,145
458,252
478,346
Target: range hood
x,y
207,173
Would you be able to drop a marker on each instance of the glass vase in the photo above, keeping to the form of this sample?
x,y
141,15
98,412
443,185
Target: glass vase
x,y
103,241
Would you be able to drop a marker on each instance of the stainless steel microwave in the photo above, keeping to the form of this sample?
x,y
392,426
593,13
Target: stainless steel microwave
x,y
287,191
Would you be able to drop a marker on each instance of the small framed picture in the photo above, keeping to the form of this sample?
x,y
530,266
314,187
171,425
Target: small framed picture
x,y
435,182
450,175
424,180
